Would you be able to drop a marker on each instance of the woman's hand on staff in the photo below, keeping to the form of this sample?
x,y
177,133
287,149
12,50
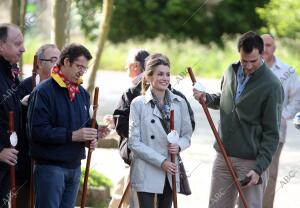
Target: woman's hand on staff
x,y
9,156
169,167
84,134
173,148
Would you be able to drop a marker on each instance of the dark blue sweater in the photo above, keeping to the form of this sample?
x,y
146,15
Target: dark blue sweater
x,y
52,118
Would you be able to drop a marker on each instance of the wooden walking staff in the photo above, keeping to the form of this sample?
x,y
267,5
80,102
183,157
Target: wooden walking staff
x,y
124,195
88,161
13,142
33,81
219,141
173,160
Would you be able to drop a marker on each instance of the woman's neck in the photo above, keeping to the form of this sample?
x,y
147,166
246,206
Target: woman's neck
x,y
160,95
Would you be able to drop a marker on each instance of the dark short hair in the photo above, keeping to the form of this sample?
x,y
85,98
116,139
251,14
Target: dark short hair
x,y
249,41
4,30
72,52
140,57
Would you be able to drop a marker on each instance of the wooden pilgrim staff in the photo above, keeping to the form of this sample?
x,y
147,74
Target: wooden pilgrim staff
x,y
219,141
172,138
13,143
88,162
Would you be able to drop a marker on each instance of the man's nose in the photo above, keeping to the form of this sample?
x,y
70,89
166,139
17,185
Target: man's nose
x,y
22,49
249,65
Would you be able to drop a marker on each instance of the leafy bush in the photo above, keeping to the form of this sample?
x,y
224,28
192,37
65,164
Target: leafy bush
x,y
96,179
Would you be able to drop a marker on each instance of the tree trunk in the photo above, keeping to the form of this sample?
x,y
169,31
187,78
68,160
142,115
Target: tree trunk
x,y
15,12
61,19
103,31
23,28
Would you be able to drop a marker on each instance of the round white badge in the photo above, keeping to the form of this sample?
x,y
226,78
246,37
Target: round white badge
x,y
13,139
198,86
173,137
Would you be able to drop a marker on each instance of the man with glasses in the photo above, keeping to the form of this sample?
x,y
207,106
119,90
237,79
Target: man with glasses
x,y
250,111
59,127
47,57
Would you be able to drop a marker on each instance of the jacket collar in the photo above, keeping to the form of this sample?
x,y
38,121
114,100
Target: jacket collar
x,y
258,72
277,64
6,65
149,97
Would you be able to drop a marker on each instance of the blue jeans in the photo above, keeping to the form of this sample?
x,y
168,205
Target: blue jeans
x,y
55,186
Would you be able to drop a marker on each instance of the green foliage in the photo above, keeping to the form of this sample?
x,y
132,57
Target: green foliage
x,y
89,11
204,20
208,61
96,179
282,17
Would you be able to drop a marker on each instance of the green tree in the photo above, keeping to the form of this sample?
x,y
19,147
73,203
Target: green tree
x,y
282,18
205,20
103,31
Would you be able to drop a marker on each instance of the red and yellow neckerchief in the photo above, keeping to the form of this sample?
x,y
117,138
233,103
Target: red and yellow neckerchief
x,y
62,81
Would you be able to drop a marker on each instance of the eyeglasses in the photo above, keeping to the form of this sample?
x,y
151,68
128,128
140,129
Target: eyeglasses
x,y
82,69
53,60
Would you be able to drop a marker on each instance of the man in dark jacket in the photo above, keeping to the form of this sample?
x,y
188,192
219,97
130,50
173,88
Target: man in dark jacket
x,y
250,111
47,57
11,49
58,120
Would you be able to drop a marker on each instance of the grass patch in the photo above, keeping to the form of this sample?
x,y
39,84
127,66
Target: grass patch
x,y
206,60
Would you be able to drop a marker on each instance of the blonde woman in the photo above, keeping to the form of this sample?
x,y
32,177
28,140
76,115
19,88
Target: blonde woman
x,y
149,122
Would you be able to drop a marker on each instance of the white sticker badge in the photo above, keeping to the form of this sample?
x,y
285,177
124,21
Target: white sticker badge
x,y
173,137
13,139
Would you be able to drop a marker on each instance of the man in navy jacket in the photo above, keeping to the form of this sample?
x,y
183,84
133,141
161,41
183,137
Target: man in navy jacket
x,y
58,127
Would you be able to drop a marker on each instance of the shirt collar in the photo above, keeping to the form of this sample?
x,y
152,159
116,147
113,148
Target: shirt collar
x,y
149,97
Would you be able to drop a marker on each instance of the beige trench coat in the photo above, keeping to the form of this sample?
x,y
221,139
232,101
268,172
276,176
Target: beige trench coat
x,y
148,141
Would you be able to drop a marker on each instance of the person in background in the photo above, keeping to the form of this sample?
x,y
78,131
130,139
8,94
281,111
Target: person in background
x,y
149,124
291,105
47,57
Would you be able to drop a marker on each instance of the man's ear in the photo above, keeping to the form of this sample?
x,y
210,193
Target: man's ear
x,y
1,45
67,62
39,64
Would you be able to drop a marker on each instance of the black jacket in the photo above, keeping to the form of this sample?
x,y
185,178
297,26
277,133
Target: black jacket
x,y
9,101
121,117
23,170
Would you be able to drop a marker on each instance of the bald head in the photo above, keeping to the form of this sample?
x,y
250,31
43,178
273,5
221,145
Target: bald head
x,y
11,43
269,48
